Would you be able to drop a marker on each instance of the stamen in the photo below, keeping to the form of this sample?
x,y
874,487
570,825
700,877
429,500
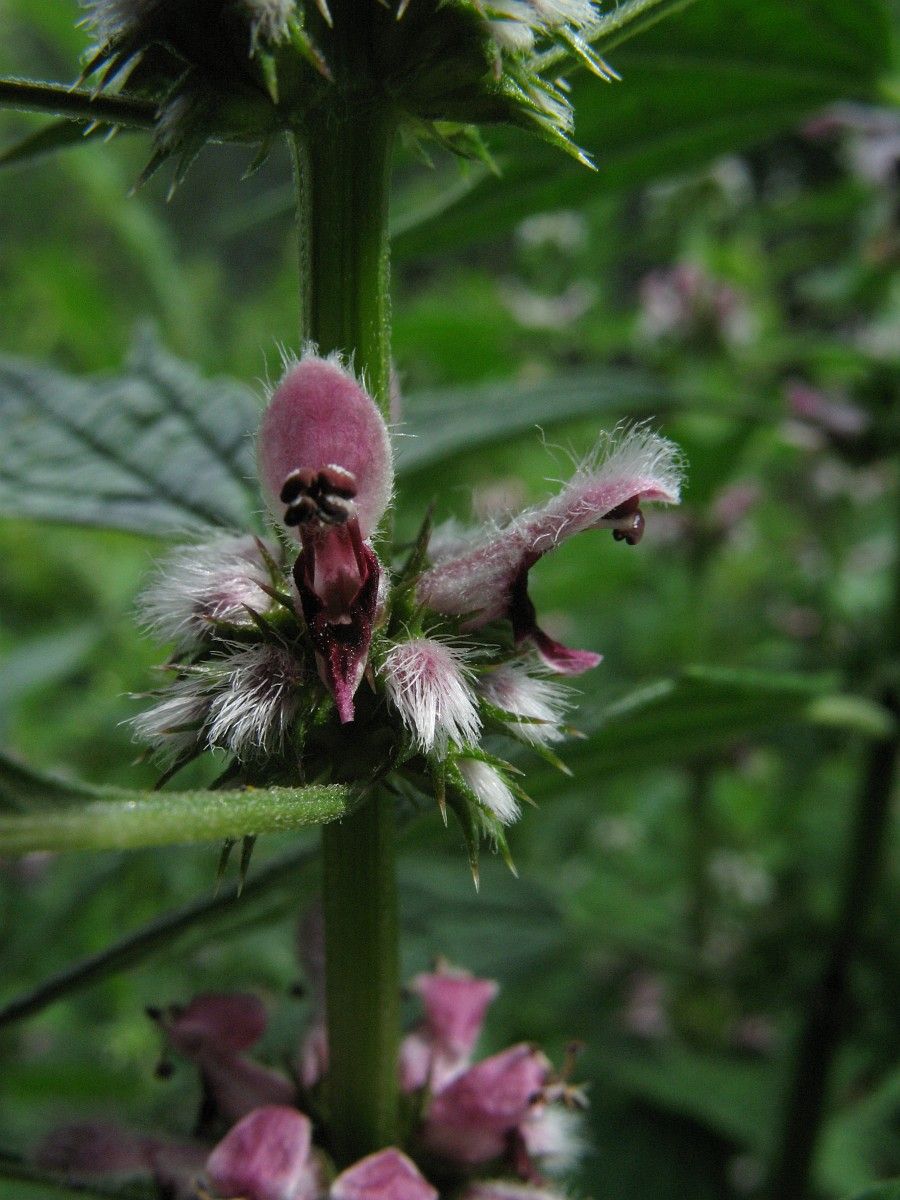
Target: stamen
x,y
629,521
323,497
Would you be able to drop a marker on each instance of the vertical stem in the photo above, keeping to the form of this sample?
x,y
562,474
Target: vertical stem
x,y
828,1017
827,1014
342,164
363,986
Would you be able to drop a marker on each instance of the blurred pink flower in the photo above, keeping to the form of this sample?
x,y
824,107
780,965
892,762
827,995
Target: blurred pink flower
x,y
266,1156
475,1117
441,1045
211,1031
386,1175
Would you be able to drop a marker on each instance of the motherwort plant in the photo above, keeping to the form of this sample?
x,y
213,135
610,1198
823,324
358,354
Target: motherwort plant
x,y
321,654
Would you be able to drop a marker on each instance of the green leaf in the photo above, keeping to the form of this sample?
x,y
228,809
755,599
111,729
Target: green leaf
x,y
155,449
160,936
58,135
718,77
881,1191
702,711
442,423
44,812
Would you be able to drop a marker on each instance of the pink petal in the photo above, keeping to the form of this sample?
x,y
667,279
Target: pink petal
x,y
386,1175
319,416
266,1156
455,1006
226,1021
471,1119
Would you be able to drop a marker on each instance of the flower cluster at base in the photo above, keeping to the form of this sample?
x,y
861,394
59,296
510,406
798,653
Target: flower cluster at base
x,y
492,1130
305,659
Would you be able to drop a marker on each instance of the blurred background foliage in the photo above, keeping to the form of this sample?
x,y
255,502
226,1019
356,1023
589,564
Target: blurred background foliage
x,y
678,895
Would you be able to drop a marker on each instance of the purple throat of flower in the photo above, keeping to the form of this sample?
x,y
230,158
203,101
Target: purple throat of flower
x,y
337,576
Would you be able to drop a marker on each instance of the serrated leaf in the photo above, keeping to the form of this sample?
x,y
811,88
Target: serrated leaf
x,y
155,449
39,811
716,78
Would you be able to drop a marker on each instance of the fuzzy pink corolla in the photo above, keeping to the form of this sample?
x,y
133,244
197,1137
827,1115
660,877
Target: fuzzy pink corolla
x,y
326,471
430,686
319,416
441,1046
475,1118
385,1175
266,1156
487,579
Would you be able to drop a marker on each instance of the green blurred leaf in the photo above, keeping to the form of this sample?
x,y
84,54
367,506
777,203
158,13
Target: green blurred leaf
x,y
881,1191
731,1096
44,812
449,421
155,449
58,135
718,77
702,711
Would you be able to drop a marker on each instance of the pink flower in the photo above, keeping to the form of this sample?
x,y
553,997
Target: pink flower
x,y
441,1046
326,470
101,1150
487,579
211,1032
476,1117
266,1156
386,1175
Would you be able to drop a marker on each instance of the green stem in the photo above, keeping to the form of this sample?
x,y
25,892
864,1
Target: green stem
x,y
363,983
342,164
828,1013
76,104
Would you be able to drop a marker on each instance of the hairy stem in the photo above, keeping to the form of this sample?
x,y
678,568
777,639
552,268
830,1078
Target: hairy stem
x,y
342,164
76,104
